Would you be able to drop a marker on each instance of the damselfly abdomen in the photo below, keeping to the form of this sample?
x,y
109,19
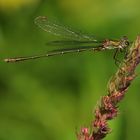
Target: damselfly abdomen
x,y
82,42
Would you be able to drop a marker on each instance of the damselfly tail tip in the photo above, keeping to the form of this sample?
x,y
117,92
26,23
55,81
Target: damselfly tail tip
x,y
7,60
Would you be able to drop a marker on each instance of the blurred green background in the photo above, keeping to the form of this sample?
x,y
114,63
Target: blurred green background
x,y
50,99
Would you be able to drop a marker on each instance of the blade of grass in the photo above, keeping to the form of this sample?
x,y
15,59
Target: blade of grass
x,y
117,88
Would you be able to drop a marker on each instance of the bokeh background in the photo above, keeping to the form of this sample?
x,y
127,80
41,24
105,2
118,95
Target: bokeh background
x,y
50,99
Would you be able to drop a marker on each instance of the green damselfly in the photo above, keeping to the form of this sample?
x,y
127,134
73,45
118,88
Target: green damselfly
x,y
82,42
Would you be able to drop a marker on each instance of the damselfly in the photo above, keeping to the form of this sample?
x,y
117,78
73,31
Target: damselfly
x,y
82,42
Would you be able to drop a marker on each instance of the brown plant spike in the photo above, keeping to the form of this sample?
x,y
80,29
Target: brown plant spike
x,y
117,87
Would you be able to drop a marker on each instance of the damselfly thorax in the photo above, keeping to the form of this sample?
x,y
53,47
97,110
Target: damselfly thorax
x,y
118,44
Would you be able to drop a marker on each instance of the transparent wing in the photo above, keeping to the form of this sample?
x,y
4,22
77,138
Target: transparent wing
x,y
77,49
73,43
59,30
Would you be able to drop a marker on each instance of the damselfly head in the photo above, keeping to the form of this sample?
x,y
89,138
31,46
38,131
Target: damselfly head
x,y
124,43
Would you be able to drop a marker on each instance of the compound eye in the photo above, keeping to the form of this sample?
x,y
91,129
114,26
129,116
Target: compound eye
x,y
127,43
